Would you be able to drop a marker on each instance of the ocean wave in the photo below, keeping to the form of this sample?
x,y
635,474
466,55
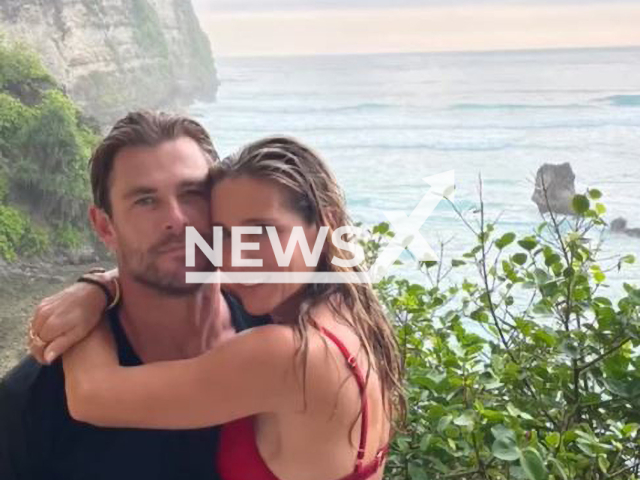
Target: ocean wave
x,y
514,106
622,100
300,109
438,147
319,128
360,107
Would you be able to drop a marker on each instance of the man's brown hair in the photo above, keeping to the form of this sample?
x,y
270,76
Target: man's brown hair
x,y
141,128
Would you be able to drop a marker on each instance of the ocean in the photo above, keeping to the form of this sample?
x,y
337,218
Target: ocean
x,y
384,122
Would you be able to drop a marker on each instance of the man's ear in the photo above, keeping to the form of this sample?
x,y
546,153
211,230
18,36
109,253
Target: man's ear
x,y
101,223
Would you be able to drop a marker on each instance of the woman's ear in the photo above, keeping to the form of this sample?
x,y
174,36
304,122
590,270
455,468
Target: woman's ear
x,y
103,227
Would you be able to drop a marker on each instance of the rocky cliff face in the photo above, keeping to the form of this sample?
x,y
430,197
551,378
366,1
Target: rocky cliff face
x,y
113,56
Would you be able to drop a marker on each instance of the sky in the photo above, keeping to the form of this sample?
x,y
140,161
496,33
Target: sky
x,y
303,27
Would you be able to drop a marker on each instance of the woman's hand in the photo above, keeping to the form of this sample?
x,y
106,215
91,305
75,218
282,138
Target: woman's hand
x,y
62,320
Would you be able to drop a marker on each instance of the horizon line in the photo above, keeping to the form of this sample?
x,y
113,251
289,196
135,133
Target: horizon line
x,y
427,52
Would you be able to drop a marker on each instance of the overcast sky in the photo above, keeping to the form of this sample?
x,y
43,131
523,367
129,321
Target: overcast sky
x,y
285,27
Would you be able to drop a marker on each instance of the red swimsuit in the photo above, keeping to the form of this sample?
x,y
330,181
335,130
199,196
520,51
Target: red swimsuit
x,y
238,457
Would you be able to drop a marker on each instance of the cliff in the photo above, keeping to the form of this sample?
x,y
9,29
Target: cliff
x,y
112,56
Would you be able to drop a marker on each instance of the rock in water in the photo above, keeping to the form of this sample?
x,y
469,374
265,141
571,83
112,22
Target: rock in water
x,y
619,225
559,181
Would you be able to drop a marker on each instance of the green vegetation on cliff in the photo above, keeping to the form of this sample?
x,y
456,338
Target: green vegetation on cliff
x,y
44,148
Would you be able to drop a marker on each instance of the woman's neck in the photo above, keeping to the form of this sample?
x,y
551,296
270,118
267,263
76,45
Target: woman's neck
x,y
288,311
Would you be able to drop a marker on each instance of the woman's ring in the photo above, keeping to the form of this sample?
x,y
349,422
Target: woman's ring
x,y
36,339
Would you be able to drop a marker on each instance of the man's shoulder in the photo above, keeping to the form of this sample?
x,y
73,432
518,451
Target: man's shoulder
x,y
31,407
27,379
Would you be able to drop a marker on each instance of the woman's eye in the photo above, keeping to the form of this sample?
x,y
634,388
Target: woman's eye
x,y
256,237
194,193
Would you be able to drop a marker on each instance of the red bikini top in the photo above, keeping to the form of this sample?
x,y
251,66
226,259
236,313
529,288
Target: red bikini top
x,y
238,457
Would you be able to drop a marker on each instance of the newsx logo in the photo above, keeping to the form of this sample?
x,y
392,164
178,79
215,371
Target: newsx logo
x,y
407,236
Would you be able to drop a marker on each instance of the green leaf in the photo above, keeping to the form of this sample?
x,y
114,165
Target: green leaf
x,y
569,347
528,243
417,472
623,388
500,431
600,209
505,240
425,442
552,259
444,423
516,412
602,301
585,447
493,415
580,204
629,429
466,419
452,431
594,193
541,276
603,463
532,464
553,439
381,228
547,335
457,263
629,259
559,468
519,258
505,448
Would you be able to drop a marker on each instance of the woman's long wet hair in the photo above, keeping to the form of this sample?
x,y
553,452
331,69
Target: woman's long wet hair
x,y
314,193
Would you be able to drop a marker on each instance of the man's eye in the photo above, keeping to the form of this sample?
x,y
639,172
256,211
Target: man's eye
x,y
144,201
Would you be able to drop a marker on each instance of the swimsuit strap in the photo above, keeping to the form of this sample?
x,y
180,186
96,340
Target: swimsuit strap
x,y
351,361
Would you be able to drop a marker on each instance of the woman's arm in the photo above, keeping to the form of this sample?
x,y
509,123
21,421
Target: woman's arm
x,y
251,373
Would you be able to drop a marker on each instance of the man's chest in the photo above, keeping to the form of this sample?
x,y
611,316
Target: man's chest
x,y
85,452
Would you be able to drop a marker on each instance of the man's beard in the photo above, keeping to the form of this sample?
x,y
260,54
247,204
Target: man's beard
x,y
144,268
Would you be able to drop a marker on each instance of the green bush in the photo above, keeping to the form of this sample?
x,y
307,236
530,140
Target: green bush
x,y
35,241
52,171
526,369
12,227
14,116
4,186
44,148
68,237
20,65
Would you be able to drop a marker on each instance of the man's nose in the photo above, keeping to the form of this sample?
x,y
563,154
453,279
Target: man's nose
x,y
176,219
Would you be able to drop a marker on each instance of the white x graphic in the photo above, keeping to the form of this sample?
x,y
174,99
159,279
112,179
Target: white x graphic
x,y
407,228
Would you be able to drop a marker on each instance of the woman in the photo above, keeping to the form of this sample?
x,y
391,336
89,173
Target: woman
x,y
311,396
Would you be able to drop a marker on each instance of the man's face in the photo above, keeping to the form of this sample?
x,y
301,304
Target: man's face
x,y
155,193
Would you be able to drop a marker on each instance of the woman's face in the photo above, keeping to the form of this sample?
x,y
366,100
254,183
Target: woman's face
x,y
250,202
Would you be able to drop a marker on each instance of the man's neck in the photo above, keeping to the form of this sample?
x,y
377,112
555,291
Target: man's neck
x,y
162,327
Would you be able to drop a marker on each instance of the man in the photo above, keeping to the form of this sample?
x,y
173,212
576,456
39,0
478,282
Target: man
x,y
149,178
